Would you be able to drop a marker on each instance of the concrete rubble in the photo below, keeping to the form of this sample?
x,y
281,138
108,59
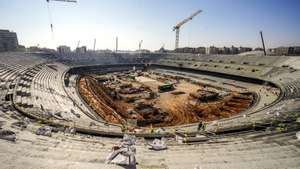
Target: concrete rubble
x,y
158,145
19,124
124,152
7,135
70,130
45,131
298,135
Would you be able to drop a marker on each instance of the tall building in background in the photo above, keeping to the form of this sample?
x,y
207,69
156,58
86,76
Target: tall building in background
x,y
224,50
287,51
81,49
63,49
200,50
244,49
234,50
8,40
212,50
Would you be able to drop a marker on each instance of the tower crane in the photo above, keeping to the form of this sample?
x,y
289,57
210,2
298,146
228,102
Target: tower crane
x,y
94,44
78,44
140,44
50,18
178,26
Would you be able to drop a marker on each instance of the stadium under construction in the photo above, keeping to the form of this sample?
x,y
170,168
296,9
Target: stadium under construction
x,y
68,112
180,109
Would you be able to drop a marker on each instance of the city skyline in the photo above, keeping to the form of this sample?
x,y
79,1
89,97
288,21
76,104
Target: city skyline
x,y
222,23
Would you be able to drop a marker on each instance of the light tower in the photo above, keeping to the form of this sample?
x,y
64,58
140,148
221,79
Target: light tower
x,y
117,43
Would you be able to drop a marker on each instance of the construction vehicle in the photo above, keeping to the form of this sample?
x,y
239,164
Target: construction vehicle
x,y
165,88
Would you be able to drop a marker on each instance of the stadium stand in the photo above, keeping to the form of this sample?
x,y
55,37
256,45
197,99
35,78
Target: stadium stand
x,y
37,91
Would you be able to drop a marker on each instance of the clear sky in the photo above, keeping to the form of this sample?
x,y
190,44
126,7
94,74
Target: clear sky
x,y
222,23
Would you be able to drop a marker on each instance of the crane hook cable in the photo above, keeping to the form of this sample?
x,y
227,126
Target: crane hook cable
x,y
50,19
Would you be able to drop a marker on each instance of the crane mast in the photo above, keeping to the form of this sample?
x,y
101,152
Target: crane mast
x,y
78,44
49,11
94,44
140,44
176,28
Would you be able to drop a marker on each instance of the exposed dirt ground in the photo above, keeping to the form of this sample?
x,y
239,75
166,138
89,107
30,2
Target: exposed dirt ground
x,y
137,96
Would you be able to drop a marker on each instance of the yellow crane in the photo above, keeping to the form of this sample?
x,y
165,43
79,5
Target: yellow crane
x,y
178,26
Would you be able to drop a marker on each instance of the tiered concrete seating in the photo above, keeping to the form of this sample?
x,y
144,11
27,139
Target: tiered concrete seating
x,y
90,58
292,90
46,99
229,68
12,66
73,93
239,142
253,150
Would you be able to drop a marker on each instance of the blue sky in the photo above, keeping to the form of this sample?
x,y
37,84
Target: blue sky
x,y
222,23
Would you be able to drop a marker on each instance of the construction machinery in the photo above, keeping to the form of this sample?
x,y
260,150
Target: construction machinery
x,y
94,44
178,26
165,88
140,44
78,43
49,11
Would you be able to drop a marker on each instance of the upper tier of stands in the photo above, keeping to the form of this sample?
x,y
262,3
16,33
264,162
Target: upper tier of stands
x,y
247,66
91,58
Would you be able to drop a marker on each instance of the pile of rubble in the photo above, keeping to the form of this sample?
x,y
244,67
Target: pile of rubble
x,y
204,95
123,153
150,113
158,145
7,135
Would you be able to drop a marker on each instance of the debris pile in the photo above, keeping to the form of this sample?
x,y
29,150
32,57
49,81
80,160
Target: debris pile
x,y
44,131
150,114
7,135
158,145
124,152
298,135
204,95
189,138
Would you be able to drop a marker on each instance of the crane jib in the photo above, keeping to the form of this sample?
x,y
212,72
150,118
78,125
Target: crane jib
x,y
177,27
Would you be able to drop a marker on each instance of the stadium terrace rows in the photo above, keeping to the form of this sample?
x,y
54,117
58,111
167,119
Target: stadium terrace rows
x,y
38,90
